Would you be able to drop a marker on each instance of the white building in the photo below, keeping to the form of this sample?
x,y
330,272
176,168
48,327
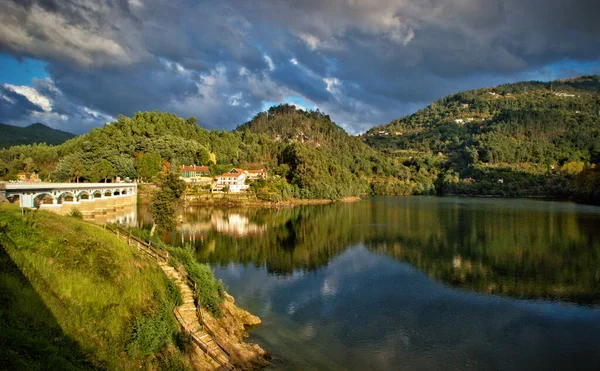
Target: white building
x,y
234,181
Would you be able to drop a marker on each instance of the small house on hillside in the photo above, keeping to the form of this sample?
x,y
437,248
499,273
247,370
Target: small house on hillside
x,y
257,174
28,177
234,181
193,173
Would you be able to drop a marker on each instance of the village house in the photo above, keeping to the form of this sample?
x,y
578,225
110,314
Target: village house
x,y
194,173
233,181
28,177
256,174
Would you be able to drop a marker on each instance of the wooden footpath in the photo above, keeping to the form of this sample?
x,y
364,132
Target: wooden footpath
x,y
188,314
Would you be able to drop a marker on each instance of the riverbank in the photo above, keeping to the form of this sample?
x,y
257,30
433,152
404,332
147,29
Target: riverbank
x,y
77,297
191,197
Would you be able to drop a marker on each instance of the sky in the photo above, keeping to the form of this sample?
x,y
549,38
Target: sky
x,y
77,64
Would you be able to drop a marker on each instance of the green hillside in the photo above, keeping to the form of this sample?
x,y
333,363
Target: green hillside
x,y
309,156
528,138
523,139
321,159
75,297
35,133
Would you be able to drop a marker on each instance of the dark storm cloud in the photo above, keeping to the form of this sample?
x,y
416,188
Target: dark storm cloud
x,y
15,107
363,62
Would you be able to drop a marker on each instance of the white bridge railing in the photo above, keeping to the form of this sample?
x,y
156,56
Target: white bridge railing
x,y
29,192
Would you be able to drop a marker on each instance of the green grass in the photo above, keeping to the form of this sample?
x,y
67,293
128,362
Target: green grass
x,y
210,291
72,295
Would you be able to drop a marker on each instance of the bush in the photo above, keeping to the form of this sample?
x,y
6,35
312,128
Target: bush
x,y
150,334
75,213
211,292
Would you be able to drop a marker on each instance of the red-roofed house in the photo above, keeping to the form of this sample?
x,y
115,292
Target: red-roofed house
x,y
234,180
193,173
257,174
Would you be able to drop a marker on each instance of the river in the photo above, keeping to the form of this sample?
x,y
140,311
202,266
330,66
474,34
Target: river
x,y
412,282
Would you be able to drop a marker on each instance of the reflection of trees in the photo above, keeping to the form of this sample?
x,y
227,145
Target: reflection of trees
x,y
299,238
523,252
527,251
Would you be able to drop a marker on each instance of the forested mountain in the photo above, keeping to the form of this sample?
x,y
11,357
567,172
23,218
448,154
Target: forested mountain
x,y
524,139
35,133
528,138
317,155
333,165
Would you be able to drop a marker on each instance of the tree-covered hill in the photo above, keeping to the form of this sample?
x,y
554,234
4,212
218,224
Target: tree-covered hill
x,y
330,165
314,150
35,133
528,138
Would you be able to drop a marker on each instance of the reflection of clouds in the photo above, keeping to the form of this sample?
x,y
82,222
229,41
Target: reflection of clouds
x,y
308,331
291,308
367,311
328,288
235,270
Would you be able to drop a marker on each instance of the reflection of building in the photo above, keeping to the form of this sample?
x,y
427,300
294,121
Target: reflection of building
x,y
236,224
233,181
194,173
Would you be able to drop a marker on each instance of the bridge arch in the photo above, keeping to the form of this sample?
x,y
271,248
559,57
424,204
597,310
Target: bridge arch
x,y
86,193
116,192
60,197
97,193
46,198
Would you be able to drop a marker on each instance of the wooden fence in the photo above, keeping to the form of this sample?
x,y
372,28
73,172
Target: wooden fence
x,y
162,256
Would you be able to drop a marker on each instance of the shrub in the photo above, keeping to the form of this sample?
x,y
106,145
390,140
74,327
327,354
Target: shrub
x,y
75,213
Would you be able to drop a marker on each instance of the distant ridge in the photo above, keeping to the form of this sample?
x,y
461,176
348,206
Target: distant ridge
x,y
35,133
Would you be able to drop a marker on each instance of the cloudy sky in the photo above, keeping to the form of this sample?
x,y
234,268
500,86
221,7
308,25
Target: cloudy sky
x,y
76,64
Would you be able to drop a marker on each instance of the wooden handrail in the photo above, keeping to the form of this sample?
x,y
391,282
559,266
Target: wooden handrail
x,y
156,254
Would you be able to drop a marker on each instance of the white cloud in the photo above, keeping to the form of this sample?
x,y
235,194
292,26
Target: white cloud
x,y
332,84
36,31
236,99
310,40
32,95
269,62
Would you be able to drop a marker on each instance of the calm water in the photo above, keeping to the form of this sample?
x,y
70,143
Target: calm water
x,y
413,283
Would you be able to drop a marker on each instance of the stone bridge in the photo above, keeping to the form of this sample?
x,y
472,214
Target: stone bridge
x,y
46,194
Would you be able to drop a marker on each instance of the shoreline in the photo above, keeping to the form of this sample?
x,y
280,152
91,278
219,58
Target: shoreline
x,y
237,200
228,330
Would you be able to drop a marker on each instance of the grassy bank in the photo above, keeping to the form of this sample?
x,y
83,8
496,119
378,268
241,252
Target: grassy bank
x,y
211,292
75,297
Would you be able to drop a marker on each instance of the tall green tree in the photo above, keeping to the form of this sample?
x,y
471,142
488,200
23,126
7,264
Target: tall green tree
x,y
166,200
148,165
77,170
102,170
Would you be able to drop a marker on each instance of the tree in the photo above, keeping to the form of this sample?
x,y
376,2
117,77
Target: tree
x,y
77,169
148,165
102,170
166,199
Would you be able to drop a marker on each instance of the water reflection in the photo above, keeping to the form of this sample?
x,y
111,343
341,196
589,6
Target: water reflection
x,y
522,248
367,311
404,283
127,215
